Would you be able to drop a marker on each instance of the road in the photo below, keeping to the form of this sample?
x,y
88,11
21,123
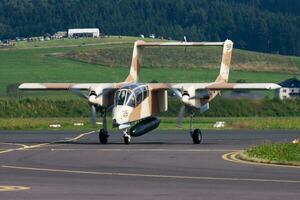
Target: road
x,y
158,165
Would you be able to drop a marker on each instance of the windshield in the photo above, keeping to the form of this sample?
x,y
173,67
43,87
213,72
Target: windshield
x,y
132,96
131,101
121,97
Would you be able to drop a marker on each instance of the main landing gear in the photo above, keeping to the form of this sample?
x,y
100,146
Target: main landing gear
x,y
103,133
195,133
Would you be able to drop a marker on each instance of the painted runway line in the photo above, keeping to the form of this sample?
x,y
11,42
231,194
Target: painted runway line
x,y
26,147
151,175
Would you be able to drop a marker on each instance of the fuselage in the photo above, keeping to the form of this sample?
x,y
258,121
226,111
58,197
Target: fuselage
x,y
131,103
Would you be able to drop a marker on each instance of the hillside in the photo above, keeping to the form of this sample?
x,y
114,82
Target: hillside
x,y
186,58
261,25
74,61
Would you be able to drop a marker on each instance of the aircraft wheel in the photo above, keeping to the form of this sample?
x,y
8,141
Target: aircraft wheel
x,y
197,136
127,139
103,136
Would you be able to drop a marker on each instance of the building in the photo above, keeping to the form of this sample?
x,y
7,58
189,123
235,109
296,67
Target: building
x,y
60,34
289,89
84,32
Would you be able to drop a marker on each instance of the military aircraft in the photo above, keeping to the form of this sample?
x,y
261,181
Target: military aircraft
x,y
134,104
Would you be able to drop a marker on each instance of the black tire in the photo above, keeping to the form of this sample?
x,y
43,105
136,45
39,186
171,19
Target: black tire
x,y
197,136
126,140
103,136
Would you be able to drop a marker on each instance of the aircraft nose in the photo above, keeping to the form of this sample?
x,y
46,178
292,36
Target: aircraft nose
x,y
121,114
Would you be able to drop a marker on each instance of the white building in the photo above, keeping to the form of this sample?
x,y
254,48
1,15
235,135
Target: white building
x,y
84,32
289,89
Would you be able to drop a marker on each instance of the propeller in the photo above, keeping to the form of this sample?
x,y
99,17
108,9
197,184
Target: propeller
x,y
176,93
93,115
91,104
180,116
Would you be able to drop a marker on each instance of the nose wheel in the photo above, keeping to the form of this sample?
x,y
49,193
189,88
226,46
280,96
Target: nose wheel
x,y
126,137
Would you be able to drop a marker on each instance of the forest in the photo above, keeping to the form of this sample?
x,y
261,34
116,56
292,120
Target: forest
x,y
271,26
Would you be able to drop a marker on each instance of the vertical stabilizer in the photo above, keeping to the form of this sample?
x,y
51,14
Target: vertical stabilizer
x,y
133,76
226,59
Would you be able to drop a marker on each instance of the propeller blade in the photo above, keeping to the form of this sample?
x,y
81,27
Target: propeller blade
x,y
79,93
110,107
93,115
180,116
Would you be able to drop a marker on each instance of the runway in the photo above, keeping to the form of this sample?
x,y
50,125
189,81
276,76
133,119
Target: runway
x,y
158,165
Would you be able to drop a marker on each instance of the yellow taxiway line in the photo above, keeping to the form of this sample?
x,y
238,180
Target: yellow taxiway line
x,y
233,157
26,147
9,188
151,175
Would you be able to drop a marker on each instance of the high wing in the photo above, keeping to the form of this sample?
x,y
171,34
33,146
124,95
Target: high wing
x,y
100,94
65,86
214,86
227,86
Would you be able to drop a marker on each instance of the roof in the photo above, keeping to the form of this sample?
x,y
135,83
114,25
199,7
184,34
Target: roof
x,y
84,30
290,83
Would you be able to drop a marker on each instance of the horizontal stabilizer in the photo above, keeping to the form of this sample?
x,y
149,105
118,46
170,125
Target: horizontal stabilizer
x,y
153,44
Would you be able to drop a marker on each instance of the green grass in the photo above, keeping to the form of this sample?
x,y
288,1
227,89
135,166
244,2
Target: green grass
x,y
27,63
71,42
281,153
167,123
190,58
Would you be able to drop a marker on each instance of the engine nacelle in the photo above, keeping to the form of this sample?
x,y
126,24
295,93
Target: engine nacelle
x,y
144,126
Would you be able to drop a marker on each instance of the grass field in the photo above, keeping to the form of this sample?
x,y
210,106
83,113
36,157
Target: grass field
x,y
282,153
167,123
48,62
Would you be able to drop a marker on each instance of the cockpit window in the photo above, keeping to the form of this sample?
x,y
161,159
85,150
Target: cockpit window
x,y
131,101
121,97
131,96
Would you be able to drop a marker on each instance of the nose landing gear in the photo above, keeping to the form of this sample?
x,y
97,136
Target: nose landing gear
x,y
126,137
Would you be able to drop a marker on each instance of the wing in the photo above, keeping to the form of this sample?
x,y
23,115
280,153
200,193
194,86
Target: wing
x,y
215,86
67,86
227,86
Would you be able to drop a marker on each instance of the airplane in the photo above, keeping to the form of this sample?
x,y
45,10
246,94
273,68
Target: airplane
x,y
135,105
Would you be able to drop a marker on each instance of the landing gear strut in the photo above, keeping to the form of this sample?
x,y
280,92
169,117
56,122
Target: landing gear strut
x,y
103,133
195,133
126,137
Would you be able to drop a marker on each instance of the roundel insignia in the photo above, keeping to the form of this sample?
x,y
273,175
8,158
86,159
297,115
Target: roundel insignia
x,y
125,114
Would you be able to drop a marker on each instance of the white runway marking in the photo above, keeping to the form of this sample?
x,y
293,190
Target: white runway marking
x,y
152,175
147,150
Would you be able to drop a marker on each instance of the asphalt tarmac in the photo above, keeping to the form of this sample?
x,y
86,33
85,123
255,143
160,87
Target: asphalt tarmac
x,y
158,165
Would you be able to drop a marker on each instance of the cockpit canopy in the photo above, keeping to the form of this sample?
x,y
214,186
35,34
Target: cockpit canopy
x,y
131,95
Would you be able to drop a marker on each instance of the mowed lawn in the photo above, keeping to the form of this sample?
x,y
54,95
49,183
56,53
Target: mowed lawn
x,y
30,63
